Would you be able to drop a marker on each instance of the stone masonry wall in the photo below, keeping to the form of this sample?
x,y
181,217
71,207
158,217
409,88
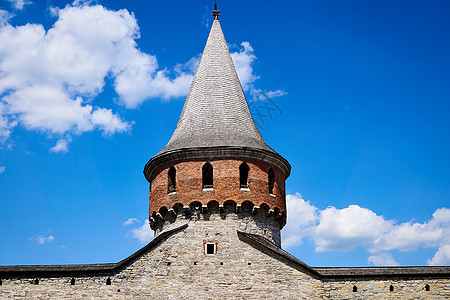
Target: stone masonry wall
x,y
178,268
245,220
380,289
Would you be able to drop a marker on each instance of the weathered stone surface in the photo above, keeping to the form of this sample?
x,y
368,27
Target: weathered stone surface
x,y
178,268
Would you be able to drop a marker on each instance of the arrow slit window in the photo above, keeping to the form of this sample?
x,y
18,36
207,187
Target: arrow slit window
x,y
207,175
171,185
271,176
243,175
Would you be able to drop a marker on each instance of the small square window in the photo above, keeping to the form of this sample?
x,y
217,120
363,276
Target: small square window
x,y
210,248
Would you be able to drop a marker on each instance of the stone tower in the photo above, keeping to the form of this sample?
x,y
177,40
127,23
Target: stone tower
x,y
217,166
217,205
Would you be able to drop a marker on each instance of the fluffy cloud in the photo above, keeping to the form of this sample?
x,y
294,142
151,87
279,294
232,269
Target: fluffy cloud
x,y
4,17
344,229
382,259
2,169
442,257
144,234
130,221
83,2
49,80
301,217
410,236
5,124
62,145
19,4
243,60
334,229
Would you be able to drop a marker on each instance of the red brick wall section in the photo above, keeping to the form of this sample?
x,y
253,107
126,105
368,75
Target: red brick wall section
x,y
226,185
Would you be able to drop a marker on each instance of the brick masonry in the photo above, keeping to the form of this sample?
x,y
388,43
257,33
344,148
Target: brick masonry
x,y
226,185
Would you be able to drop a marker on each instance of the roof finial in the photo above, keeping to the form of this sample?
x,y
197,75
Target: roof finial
x,y
215,12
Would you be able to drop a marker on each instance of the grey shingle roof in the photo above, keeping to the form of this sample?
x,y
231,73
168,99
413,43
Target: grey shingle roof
x,y
216,113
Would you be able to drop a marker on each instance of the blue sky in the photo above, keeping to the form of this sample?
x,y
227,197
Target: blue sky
x,y
354,94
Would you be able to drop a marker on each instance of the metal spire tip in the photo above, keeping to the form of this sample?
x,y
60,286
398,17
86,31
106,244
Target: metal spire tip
x,y
215,12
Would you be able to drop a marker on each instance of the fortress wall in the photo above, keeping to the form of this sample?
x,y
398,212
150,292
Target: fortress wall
x,y
379,289
178,268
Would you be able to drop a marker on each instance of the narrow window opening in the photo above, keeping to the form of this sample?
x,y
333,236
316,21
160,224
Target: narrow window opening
x,y
169,263
210,248
427,288
171,185
195,263
271,175
391,288
221,263
108,281
72,281
243,175
36,281
207,175
118,290
1,282
249,264
355,289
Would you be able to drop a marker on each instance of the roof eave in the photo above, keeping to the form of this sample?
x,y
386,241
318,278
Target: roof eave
x,y
216,152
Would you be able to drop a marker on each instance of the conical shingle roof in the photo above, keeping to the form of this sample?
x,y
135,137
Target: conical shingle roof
x,y
216,113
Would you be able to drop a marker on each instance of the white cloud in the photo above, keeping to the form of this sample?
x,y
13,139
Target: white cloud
x,y
4,17
144,234
5,124
130,221
258,94
344,229
410,236
54,11
108,122
44,239
62,145
243,61
19,4
300,219
442,256
83,2
382,259
2,169
137,84
334,229
49,79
